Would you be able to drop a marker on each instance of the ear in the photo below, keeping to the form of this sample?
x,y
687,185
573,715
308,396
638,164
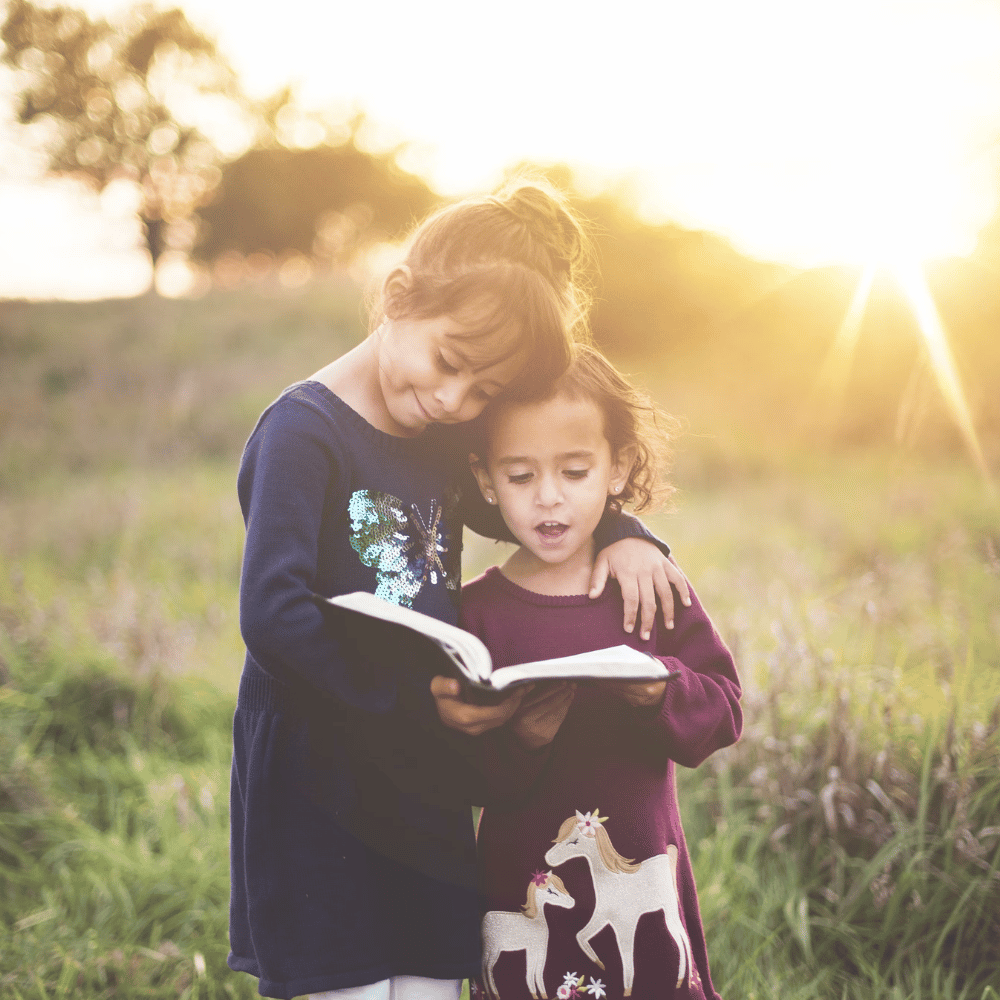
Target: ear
x,y
397,283
621,468
479,470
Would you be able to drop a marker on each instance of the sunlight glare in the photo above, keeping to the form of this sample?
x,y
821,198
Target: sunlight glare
x,y
805,133
913,283
832,380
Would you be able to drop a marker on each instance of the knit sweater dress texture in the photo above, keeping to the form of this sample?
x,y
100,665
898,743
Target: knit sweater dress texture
x,y
352,848
559,863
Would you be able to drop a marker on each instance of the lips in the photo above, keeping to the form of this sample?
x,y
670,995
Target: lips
x,y
551,530
427,416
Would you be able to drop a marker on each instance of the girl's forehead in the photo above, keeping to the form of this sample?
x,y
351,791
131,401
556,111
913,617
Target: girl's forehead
x,y
564,417
561,406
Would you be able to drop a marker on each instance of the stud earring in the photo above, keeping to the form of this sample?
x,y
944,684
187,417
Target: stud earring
x,y
617,489
491,500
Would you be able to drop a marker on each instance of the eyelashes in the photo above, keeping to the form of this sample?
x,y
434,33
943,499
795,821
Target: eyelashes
x,y
447,368
524,478
444,365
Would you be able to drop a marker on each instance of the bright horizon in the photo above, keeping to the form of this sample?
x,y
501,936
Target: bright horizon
x,y
856,133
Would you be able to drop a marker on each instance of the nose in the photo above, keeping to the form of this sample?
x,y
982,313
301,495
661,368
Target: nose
x,y
450,395
549,491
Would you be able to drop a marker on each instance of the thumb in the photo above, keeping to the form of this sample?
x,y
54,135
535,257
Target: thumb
x,y
445,687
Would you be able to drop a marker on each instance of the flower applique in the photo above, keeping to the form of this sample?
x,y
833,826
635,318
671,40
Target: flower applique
x,y
406,549
573,987
588,823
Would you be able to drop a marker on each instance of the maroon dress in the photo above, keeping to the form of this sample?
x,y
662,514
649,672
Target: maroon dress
x,y
587,887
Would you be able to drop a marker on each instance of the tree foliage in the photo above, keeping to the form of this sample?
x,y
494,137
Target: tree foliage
x,y
658,284
105,98
325,202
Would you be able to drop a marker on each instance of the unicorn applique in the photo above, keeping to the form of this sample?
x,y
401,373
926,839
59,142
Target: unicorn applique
x,y
624,891
526,931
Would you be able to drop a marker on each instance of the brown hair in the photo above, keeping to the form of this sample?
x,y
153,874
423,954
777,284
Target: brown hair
x,y
631,420
613,861
530,906
516,262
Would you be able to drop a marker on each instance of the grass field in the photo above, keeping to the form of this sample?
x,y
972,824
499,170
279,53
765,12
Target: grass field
x,y
847,847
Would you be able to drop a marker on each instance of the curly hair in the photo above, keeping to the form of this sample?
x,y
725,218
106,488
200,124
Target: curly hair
x,y
632,421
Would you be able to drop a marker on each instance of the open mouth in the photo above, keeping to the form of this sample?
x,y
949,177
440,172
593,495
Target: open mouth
x,y
551,530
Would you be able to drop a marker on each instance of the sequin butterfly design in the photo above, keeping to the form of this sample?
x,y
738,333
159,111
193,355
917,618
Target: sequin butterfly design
x,y
405,549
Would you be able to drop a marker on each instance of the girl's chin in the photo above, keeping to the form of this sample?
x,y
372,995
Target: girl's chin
x,y
555,554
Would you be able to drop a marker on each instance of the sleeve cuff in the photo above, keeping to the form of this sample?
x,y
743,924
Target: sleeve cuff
x,y
617,525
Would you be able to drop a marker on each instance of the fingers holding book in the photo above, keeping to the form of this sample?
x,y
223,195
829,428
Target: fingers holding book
x,y
471,719
639,694
537,720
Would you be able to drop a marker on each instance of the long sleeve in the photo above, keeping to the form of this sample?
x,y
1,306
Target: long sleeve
x,y
700,712
316,524
292,474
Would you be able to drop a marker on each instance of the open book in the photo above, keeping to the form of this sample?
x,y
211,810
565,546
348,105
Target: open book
x,y
387,631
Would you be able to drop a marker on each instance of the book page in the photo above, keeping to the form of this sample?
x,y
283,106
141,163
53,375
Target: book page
x,y
615,663
465,649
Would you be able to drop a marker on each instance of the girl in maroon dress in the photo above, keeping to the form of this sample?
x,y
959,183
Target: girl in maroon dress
x,y
587,884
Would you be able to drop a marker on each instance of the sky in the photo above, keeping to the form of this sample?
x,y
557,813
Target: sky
x,y
804,132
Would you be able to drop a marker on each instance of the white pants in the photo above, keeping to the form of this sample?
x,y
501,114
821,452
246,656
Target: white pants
x,y
398,988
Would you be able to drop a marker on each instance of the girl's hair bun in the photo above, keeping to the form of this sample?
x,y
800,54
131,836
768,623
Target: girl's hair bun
x,y
556,233
546,212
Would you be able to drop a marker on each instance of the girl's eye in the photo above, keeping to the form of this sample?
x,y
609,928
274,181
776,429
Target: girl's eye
x,y
520,478
444,366
576,473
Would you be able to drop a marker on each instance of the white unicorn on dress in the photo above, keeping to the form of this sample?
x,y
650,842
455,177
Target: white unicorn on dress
x,y
526,931
624,891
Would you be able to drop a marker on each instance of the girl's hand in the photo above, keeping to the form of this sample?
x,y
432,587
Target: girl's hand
x,y
640,694
473,720
538,719
644,574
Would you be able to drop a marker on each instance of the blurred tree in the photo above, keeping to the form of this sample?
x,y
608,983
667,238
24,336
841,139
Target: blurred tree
x,y
663,286
325,202
104,99
660,286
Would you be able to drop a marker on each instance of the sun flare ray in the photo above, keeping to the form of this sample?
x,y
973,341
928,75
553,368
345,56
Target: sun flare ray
x,y
831,383
912,282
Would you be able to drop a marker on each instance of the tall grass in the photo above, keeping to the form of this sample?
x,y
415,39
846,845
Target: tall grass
x,y
113,831
855,829
847,847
